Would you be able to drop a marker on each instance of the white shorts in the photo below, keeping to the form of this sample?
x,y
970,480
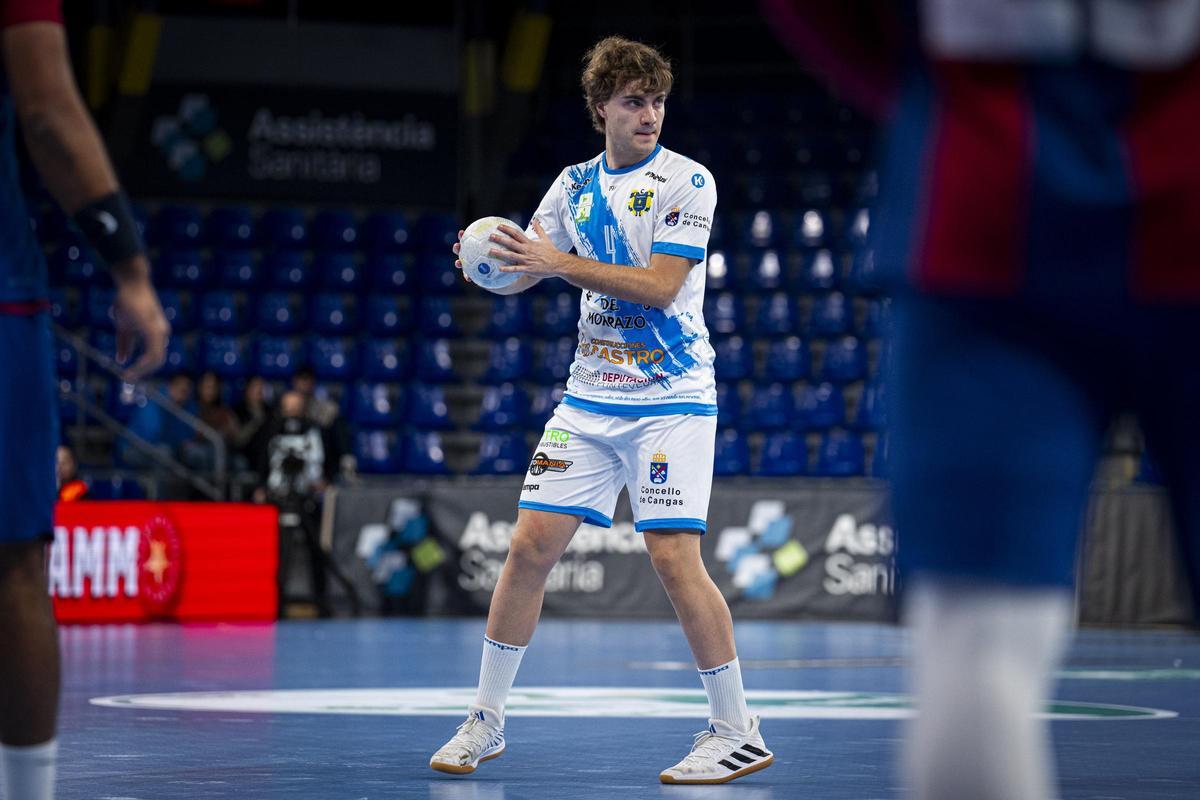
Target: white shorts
x,y
583,460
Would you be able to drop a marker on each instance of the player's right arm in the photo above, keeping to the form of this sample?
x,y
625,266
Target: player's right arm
x,y
68,153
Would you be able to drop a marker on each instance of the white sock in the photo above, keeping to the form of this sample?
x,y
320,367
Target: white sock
x,y
982,667
497,672
726,700
28,771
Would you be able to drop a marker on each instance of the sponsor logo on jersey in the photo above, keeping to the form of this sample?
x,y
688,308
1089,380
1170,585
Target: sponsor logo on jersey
x,y
698,180
583,212
543,463
577,185
696,221
617,322
531,487
658,468
555,438
672,217
640,200
655,176
615,353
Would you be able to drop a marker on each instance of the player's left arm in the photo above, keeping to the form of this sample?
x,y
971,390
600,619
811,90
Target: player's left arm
x,y
655,285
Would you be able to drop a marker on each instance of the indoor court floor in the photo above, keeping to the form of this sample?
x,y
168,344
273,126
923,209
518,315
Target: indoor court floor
x,y
352,710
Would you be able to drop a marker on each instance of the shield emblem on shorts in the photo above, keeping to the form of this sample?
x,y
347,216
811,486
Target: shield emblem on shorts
x,y
658,468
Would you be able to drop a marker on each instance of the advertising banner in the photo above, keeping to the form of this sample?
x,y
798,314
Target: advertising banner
x,y
140,561
296,145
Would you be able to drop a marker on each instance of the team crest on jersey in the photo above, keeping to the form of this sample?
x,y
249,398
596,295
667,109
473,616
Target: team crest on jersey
x,y
658,468
672,217
639,201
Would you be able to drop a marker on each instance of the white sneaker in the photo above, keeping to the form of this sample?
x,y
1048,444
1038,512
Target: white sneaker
x,y
721,754
480,738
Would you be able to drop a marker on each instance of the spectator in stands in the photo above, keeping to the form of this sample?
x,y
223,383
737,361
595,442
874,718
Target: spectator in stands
x,y
197,452
254,415
159,427
327,416
70,486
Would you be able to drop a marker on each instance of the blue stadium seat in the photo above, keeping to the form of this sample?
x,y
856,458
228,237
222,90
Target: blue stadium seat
x,y
771,407
122,399
388,315
98,307
732,455
436,274
231,227
503,454
223,312
735,359
877,319
511,315
542,404
845,361
761,228
181,356
68,412
720,275
788,360
729,405
277,357
281,312
832,315
423,454
561,315
385,232
723,313
287,270
66,307
777,316
864,276
508,360
840,454
872,408
225,355
427,409
177,227
818,272
186,269
383,360
811,228
553,364
235,269
283,229
436,233
335,229
434,364
66,358
178,309
76,265
879,458
377,405
503,408
822,406
104,340
333,358
116,487
338,272
435,318
766,271
334,314
379,452
389,272
784,454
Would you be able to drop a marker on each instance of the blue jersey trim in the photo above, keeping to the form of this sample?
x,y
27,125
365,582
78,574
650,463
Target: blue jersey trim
x,y
631,167
673,249
689,523
589,515
638,410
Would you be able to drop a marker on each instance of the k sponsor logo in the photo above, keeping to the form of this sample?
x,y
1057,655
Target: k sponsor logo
x,y
698,181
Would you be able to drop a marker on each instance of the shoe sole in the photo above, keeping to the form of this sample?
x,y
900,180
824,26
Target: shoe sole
x,y
741,773
455,769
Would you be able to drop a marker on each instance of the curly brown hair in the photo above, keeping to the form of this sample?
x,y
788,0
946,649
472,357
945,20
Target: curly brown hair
x,y
613,63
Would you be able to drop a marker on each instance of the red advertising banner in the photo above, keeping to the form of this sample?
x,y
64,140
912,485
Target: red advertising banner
x,y
187,562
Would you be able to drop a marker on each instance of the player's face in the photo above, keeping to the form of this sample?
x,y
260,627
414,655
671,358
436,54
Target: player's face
x,y
632,124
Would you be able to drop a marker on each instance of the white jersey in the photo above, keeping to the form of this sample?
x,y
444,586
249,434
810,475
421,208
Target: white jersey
x,y
636,360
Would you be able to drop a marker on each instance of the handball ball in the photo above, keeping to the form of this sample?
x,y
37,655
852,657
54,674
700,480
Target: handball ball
x,y
473,252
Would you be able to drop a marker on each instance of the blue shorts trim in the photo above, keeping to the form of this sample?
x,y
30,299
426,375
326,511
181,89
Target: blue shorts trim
x,y
637,410
673,249
679,522
589,515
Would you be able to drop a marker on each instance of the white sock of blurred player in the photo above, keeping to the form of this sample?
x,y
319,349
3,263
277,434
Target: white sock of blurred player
x,y
983,661
28,771
497,671
726,698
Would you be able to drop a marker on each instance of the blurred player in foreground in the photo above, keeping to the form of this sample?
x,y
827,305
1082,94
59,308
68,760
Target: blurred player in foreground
x,y
38,92
1039,226
640,406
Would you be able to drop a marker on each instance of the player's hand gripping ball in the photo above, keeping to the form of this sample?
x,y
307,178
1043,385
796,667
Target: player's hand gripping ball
x,y
480,267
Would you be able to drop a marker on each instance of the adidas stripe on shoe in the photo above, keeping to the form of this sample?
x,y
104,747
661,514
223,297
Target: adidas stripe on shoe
x,y
721,754
479,738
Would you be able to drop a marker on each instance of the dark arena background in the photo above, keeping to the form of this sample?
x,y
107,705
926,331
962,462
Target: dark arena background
x,y
233,628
